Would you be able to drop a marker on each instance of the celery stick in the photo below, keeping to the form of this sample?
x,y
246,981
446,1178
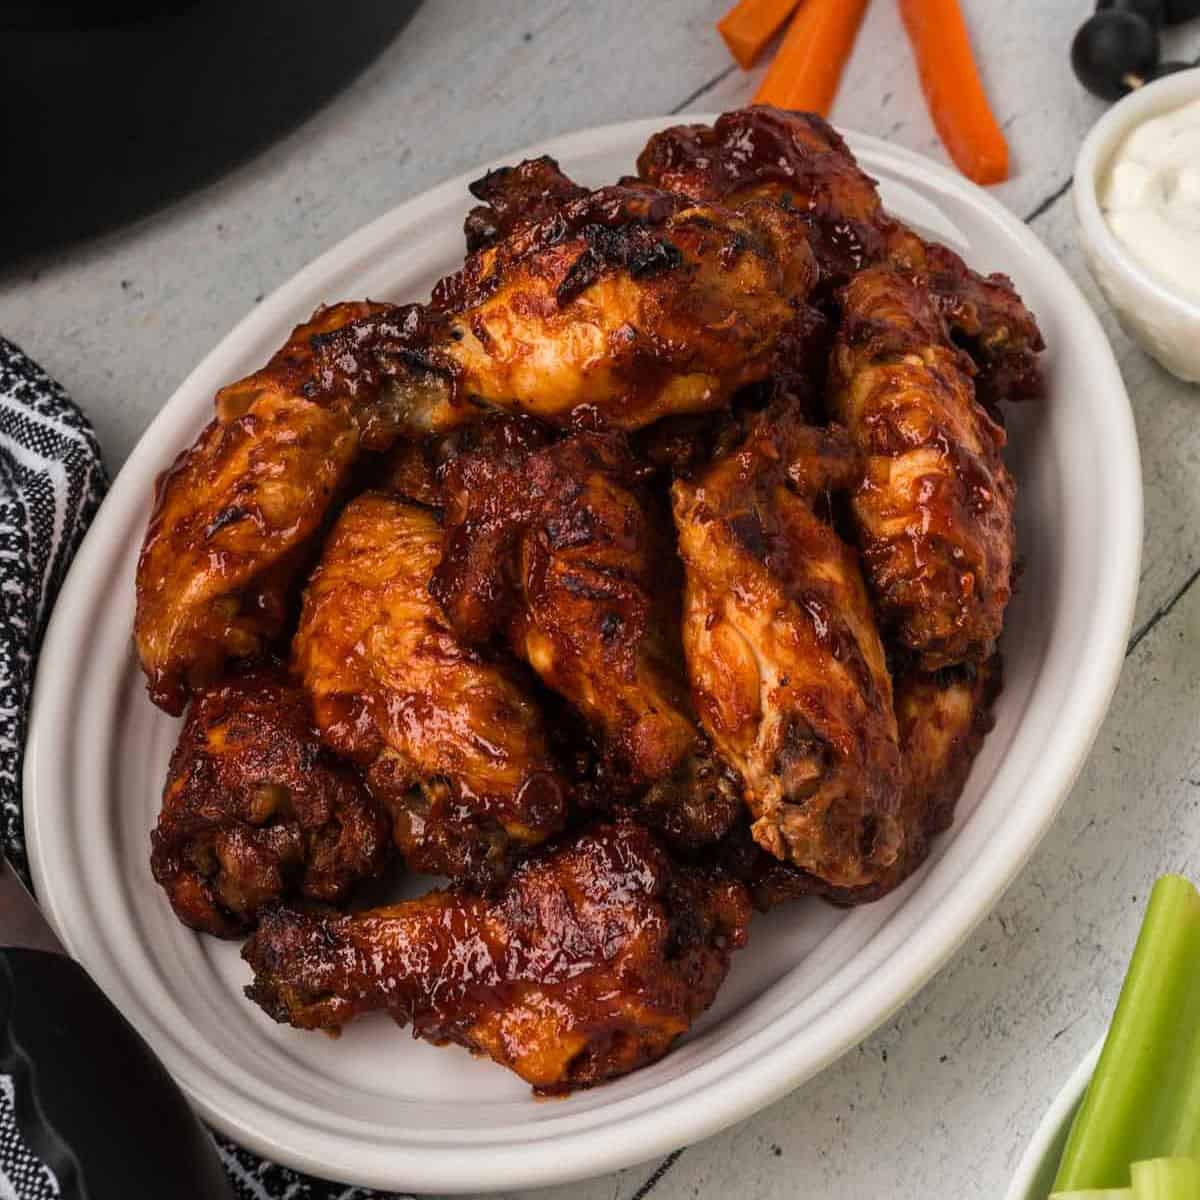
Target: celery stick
x,y
1143,1101
1095,1194
1166,1179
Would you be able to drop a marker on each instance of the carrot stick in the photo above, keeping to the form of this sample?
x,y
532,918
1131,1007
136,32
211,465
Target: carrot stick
x,y
808,67
953,91
750,24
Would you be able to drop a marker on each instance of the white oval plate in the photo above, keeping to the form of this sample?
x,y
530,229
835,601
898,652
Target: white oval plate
x,y
377,1108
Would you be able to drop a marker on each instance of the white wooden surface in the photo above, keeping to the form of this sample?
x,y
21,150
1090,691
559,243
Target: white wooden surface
x,y
941,1100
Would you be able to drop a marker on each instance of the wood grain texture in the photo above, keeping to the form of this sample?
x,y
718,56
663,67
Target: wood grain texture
x,y
942,1099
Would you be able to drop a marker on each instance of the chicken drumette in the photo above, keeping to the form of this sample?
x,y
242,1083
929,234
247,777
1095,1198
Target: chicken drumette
x,y
556,546
934,510
597,955
450,741
622,306
255,810
236,515
796,159
785,660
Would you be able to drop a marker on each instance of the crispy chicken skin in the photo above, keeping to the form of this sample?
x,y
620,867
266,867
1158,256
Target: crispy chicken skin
x,y
556,546
235,517
531,191
449,740
597,955
785,660
942,720
935,508
553,546
255,810
624,306
795,158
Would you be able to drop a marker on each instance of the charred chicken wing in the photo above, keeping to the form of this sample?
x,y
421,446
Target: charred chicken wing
x,y
785,660
935,508
531,191
597,955
799,161
236,515
625,305
256,810
942,720
449,740
556,546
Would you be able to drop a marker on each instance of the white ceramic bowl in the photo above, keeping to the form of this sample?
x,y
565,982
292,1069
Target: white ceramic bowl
x,y
1166,325
376,1107
1039,1164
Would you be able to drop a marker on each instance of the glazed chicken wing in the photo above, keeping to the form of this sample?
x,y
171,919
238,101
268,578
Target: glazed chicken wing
x,y
531,191
784,657
798,160
594,959
625,305
935,508
449,740
255,810
236,515
555,545
942,720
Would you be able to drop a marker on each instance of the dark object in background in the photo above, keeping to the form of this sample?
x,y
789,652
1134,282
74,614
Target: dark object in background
x,y
92,1100
108,111
1115,51
1152,11
1181,10
1157,12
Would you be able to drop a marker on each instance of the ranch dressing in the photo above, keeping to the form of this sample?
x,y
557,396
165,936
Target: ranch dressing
x,y
1151,198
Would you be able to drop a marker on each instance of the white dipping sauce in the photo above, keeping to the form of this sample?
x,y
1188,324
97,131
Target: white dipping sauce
x,y
1151,198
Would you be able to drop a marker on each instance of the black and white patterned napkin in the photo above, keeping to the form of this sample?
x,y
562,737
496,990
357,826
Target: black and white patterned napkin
x,y
51,481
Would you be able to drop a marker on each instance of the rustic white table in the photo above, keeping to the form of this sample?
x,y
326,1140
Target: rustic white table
x,y
940,1101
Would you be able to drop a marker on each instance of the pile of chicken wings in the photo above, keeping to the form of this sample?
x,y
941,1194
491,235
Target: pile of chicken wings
x,y
650,572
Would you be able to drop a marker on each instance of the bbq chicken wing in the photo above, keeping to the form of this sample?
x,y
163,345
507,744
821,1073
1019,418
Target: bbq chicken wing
x,y
449,740
556,546
786,663
594,959
935,508
531,191
942,720
255,810
624,306
796,159
236,515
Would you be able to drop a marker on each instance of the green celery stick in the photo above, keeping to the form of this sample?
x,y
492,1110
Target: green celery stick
x,y
1096,1194
1143,1101
1166,1179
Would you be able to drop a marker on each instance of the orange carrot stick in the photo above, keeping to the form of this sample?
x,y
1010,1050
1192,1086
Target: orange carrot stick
x,y
750,24
953,91
808,67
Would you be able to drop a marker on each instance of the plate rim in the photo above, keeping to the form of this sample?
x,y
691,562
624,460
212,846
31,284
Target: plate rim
x,y
760,1080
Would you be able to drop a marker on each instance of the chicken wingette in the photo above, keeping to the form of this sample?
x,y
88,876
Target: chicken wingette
x,y
796,159
237,514
934,510
448,739
625,305
555,545
942,720
785,660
